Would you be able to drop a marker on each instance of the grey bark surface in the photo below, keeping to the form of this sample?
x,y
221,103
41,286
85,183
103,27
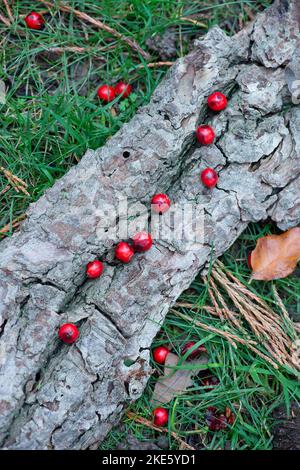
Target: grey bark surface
x,y
55,396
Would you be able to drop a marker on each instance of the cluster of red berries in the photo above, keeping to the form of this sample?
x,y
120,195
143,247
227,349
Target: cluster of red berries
x,y
124,251
206,136
107,93
161,415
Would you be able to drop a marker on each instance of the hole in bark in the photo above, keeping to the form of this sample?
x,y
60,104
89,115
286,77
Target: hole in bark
x,y
126,154
126,385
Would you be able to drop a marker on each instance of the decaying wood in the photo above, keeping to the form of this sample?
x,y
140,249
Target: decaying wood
x,y
61,397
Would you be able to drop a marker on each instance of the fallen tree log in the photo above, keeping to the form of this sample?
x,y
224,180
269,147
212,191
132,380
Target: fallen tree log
x,y
54,396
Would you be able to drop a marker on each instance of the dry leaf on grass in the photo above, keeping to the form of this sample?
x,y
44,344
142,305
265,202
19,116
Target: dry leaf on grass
x,y
176,381
276,256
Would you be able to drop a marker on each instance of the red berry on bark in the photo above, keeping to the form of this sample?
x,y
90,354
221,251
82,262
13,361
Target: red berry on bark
x,y
124,252
106,93
123,89
249,260
94,269
193,354
161,416
209,177
68,333
34,20
205,135
160,203
217,101
160,354
142,241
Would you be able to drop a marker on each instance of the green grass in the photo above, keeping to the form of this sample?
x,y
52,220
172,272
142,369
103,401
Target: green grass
x,y
249,386
52,116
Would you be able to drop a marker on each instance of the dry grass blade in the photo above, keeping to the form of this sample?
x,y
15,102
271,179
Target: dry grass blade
x,y
266,324
15,181
195,22
9,12
5,189
149,424
5,20
233,339
99,24
14,224
152,65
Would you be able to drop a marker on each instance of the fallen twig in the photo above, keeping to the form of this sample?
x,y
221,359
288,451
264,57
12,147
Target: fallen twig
x,y
83,16
149,424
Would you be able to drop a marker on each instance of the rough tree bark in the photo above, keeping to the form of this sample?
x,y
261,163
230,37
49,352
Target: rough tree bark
x,y
53,396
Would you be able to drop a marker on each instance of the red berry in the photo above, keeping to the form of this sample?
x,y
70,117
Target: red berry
x,y
195,353
160,203
124,252
209,177
123,89
205,135
249,260
68,333
142,241
94,269
34,20
160,354
217,101
161,416
106,93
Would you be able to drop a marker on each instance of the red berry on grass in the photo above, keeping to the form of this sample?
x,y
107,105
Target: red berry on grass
x,y
160,354
34,20
124,252
106,93
217,101
68,333
249,260
161,416
205,135
193,354
142,241
209,177
94,269
160,203
123,89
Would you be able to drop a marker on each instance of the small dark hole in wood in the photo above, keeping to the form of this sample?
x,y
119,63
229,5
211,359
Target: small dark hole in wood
x,y
126,154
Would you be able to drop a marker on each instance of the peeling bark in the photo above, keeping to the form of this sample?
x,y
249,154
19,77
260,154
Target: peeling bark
x,y
53,396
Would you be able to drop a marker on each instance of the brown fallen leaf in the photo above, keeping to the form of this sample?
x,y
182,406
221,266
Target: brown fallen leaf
x,y
276,256
176,380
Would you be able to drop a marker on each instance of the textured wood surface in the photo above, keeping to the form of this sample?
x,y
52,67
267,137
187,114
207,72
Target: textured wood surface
x,y
68,397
